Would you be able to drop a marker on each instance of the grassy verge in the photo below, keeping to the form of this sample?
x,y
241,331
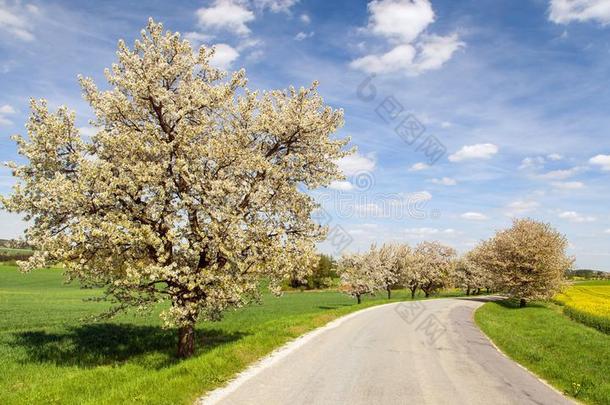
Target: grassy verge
x,y
571,356
50,356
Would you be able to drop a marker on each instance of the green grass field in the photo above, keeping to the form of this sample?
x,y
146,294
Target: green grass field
x,y
50,356
571,356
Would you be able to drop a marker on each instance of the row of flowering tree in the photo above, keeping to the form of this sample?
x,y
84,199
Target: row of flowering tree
x,y
527,261
429,267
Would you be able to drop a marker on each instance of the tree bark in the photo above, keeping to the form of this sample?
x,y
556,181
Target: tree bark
x,y
389,293
413,291
522,303
468,291
186,341
358,298
427,293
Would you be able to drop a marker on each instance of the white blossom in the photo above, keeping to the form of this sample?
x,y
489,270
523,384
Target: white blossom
x,y
190,189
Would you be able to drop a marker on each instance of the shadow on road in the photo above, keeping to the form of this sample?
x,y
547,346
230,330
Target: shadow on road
x,y
506,302
482,298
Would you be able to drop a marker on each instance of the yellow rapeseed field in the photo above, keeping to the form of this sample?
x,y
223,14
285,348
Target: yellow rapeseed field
x,y
588,303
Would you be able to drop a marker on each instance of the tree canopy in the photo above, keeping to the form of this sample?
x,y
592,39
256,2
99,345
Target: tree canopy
x,y
191,189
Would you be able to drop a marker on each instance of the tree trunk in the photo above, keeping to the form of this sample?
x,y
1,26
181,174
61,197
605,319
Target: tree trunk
x,y
358,298
427,293
413,291
186,341
522,303
468,291
389,293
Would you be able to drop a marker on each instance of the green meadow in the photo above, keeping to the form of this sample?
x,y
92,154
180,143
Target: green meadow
x,y
53,352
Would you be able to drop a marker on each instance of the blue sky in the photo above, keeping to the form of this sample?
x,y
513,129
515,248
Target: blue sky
x,y
518,96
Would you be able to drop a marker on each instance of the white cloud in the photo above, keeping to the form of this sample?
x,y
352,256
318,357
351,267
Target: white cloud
x,y
16,20
521,207
247,43
4,111
255,56
341,185
574,216
399,58
446,124
602,161
433,53
445,181
7,109
417,167
197,38
402,20
536,162
402,23
429,231
229,15
224,56
408,200
435,50
560,174
607,231
568,185
356,163
478,151
275,6
565,11
234,15
303,35
474,216
305,19
418,196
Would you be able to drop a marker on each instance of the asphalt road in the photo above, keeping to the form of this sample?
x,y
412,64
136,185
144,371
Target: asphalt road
x,y
421,352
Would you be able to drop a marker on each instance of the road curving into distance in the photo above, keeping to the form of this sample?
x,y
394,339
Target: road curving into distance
x,y
418,352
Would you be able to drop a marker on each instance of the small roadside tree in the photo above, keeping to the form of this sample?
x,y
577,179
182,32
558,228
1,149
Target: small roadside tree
x,y
528,260
434,262
191,190
410,274
386,266
479,263
357,276
469,274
